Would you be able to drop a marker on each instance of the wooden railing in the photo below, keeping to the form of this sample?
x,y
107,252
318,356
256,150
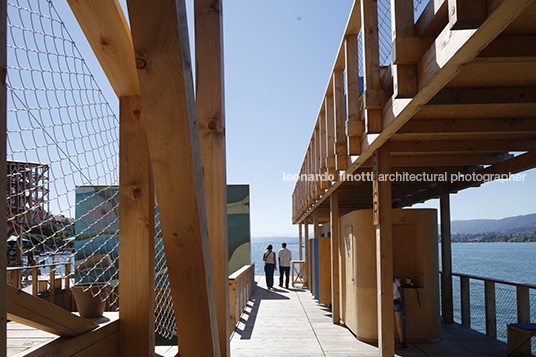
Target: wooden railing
x,y
49,288
502,302
241,285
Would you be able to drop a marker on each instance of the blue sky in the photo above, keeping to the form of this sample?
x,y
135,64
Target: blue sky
x,y
278,58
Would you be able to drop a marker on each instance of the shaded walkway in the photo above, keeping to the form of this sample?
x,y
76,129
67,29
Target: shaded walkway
x,y
290,323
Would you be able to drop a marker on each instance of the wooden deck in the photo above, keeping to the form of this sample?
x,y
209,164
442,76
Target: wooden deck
x,y
290,322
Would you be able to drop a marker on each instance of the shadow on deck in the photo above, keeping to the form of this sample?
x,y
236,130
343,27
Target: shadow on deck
x,y
289,322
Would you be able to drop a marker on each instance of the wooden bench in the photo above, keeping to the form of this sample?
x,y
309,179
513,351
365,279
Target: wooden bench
x,y
519,336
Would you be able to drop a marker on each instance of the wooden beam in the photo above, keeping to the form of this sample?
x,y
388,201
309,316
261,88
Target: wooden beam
x,y
371,65
161,43
71,346
107,31
300,243
466,14
211,124
307,254
334,229
330,137
340,118
433,19
455,146
136,227
505,46
496,125
446,255
354,126
495,95
3,179
43,315
448,160
384,253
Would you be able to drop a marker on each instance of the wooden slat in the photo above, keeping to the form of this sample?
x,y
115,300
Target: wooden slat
x,y
161,41
488,126
495,95
35,312
453,146
136,227
211,124
107,31
354,126
330,138
433,18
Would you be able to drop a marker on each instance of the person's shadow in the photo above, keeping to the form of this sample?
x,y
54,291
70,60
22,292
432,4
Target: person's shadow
x,y
248,318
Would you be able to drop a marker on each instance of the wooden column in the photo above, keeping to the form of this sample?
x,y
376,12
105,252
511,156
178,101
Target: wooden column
x,y
314,258
446,254
372,95
334,229
404,69
354,126
3,180
330,134
340,113
300,241
160,37
211,124
381,163
136,237
307,255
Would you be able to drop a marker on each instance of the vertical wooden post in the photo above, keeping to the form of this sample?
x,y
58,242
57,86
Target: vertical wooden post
x,y
330,134
136,237
67,295
52,281
334,229
323,149
211,124
491,315
314,258
446,254
465,293
354,126
466,14
307,255
523,304
340,113
35,282
3,180
404,74
382,211
371,66
300,242
160,37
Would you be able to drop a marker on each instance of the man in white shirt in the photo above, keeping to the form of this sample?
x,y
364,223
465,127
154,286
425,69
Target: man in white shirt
x,y
285,256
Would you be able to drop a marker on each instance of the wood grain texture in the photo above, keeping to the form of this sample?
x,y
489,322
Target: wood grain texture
x,y
136,238
211,124
160,39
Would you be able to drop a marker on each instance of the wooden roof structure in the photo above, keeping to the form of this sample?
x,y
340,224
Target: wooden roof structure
x,y
454,109
458,98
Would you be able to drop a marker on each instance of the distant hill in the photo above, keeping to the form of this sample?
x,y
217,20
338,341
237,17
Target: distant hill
x,y
517,224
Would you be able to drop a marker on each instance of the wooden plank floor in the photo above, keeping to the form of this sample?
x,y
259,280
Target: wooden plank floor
x,y
290,322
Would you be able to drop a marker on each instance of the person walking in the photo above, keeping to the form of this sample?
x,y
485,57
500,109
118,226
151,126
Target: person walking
x,y
398,306
285,257
269,258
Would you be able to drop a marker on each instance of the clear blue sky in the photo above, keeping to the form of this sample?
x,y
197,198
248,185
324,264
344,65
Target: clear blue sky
x,y
278,58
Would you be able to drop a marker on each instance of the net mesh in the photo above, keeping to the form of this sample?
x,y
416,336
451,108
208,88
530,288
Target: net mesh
x,y
63,160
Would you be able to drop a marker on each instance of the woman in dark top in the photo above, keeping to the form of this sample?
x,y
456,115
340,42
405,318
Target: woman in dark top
x,y
269,266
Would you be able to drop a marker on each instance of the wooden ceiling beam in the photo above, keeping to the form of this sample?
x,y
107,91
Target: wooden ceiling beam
x,y
499,125
447,160
485,96
456,146
511,46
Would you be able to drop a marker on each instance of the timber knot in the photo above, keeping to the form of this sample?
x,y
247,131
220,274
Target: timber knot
x,y
140,63
137,114
137,193
212,125
103,41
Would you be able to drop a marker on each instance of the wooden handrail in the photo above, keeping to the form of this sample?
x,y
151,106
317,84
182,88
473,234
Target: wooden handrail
x,y
241,285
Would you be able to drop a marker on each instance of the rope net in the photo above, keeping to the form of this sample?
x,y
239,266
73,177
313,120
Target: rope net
x,y
63,162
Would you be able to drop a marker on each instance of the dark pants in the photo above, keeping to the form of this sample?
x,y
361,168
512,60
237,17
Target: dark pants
x,y
269,270
285,271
